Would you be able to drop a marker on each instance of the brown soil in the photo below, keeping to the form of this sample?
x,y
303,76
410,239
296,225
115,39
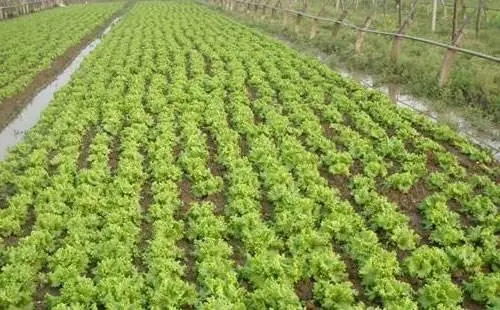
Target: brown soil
x,y
267,209
251,93
252,96
51,168
408,203
186,197
459,277
410,147
84,152
6,192
189,260
219,201
26,229
90,269
357,167
114,157
348,122
243,143
217,170
43,289
208,65
4,201
331,134
146,232
339,182
328,131
352,272
257,119
465,161
177,150
465,219
10,107
304,290
471,304
432,164
238,256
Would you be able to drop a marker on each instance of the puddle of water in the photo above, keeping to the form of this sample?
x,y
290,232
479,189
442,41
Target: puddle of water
x,y
406,101
15,131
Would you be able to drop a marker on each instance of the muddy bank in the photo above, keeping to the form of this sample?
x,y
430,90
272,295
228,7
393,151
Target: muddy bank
x,y
30,114
12,106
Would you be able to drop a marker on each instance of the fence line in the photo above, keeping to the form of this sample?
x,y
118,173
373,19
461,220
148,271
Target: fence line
x,y
472,7
380,32
451,49
16,8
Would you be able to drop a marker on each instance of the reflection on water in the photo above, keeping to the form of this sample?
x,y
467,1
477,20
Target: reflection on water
x,y
30,115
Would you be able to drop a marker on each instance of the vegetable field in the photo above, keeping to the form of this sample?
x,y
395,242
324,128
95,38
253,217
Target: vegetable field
x,y
194,163
39,38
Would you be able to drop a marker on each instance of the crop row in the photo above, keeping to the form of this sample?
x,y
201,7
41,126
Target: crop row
x,y
195,163
31,43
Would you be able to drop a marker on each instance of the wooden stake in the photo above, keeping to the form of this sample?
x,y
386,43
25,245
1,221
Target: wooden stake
x,y
300,17
454,21
337,26
256,6
449,57
285,14
314,29
396,43
273,10
264,7
298,21
314,26
478,16
361,34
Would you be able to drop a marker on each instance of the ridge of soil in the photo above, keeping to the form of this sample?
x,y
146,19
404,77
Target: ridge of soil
x,y
13,105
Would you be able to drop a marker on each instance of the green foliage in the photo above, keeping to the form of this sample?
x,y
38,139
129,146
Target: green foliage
x,y
336,296
427,262
194,163
42,37
485,288
440,293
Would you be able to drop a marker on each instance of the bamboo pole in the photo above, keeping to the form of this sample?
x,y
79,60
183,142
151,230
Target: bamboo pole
x,y
314,25
391,34
361,34
478,16
339,22
434,15
454,21
396,45
449,56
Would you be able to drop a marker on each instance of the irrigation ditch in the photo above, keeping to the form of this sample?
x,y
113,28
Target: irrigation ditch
x,y
22,111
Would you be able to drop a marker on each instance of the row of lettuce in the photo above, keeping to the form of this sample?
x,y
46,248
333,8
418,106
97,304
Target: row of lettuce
x,y
173,79
31,43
